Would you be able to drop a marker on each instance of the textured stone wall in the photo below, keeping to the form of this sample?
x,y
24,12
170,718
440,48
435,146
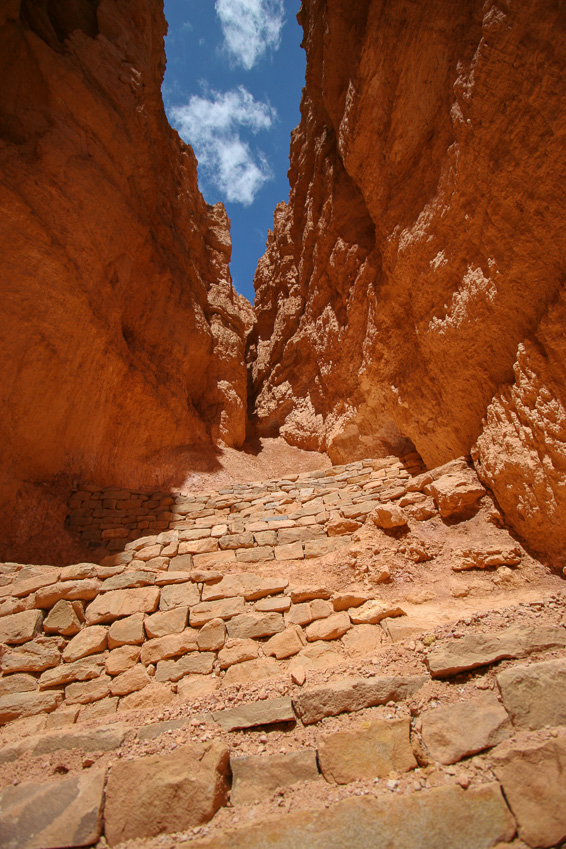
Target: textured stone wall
x,y
413,286
122,340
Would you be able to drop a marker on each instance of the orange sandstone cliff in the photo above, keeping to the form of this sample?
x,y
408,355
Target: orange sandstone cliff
x,y
122,340
412,289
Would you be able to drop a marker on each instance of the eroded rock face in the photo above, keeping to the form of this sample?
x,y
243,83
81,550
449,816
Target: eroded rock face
x,y
412,288
122,338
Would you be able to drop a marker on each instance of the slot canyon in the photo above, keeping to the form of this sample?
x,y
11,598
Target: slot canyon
x,y
289,574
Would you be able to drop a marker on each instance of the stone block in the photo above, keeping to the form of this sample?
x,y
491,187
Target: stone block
x,y
262,669
130,681
212,636
371,749
307,611
532,773
155,694
16,705
256,778
181,563
324,545
42,653
455,492
70,590
235,541
535,696
350,598
88,641
279,604
179,595
475,650
198,546
372,612
19,683
128,581
166,622
331,628
52,814
128,631
292,551
236,651
196,663
32,578
308,593
91,691
205,561
353,694
389,516
292,535
253,714
169,646
225,609
121,603
286,643
193,687
255,625
20,627
121,659
81,670
62,619
363,639
255,555
442,818
165,793
453,732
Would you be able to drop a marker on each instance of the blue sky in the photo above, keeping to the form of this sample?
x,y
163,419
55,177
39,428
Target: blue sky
x,y
232,89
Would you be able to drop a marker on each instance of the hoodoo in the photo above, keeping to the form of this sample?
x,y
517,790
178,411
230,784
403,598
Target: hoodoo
x,y
290,575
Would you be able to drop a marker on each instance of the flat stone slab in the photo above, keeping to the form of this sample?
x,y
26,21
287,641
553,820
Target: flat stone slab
x,y
532,775
15,705
165,793
535,695
456,731
475,650
372,749
353,694
53,814
253,714
257,777
443,818
102,739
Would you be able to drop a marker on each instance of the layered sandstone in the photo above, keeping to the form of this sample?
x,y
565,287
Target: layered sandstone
x,y
412,289
121,349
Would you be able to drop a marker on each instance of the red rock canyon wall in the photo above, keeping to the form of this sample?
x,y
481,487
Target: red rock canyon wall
x,y
121,342
413,286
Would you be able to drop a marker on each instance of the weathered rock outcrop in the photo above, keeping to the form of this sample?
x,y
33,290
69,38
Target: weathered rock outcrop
x,y
413,286
122,339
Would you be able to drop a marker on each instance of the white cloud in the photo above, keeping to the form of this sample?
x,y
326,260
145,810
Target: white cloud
x,y
250,28
213,127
